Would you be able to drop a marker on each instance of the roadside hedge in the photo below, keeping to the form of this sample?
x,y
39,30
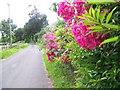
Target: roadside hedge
x,y
89,44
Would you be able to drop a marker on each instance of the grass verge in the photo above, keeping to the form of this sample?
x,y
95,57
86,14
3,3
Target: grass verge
x,y
56,74
8,52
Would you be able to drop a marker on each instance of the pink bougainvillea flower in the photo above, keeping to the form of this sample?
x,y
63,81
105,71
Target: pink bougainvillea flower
x,y
66,11
69,13
49,58
51,45
50,55
79,1
66,60
87,7
86,41
80,8
50,37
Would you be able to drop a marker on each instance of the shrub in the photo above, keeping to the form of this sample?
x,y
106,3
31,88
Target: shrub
x,y
90,43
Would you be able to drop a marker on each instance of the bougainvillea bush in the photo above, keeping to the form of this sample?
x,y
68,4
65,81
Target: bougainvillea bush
x,y
89,43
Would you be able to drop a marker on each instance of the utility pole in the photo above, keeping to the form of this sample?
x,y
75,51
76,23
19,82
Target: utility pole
x,y
10,25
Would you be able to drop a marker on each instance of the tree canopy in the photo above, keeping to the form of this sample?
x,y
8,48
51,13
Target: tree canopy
x,y
5,30
36,22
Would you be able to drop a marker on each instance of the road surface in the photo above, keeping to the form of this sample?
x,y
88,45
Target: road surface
x,y
25,69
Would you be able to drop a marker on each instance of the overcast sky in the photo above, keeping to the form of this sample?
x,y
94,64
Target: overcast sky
x,y
19,10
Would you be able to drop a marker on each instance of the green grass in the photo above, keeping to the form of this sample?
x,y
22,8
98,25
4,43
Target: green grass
x,y
0,53
56,74
8,52
24,45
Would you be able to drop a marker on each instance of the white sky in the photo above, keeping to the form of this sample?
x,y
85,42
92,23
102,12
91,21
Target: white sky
x,y
19,10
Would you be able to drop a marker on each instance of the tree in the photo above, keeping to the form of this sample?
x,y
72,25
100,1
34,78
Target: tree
x,y
54,7
60,23
19,34
5,31
36,22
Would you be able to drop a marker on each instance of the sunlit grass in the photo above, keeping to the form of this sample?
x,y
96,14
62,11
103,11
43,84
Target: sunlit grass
x,y
8,52
24,45
0,52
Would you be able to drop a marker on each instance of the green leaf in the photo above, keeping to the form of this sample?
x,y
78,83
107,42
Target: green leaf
x,y
95,31
110,40
89,17
98,13
90,11
95,27
109,15
93,81
100,1
101,30
87,22
104,73
103,78
111,26
78,71
93,12
81,17
102,16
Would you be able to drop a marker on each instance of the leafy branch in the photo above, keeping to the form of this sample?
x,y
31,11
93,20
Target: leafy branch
x,y
99,21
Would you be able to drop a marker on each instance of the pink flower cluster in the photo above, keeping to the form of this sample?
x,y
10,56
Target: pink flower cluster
x,y
50,56
50,37
69,12
66,11
51,44
86,41
77,8
80,8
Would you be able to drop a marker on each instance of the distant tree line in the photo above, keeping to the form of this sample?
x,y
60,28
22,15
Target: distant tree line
x,y
29,32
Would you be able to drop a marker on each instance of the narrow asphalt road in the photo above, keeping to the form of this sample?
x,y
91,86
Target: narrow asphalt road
x,y
25,69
